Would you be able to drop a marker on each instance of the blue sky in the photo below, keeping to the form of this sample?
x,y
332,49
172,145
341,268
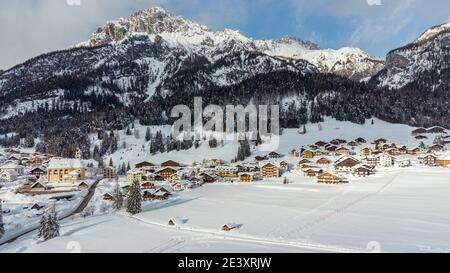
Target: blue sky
x,y
33,27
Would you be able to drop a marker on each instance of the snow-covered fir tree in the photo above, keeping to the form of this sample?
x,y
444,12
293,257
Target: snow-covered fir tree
x,y
134,198
118,197
49,227
148,134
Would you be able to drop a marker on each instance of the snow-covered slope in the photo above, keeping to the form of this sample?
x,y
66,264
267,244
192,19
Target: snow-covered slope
x,y
178,31
425,61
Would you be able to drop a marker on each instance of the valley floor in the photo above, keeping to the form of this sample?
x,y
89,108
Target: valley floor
x,y
401,210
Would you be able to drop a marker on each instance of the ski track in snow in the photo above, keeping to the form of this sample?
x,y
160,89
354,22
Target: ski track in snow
x,y
318,222
251,239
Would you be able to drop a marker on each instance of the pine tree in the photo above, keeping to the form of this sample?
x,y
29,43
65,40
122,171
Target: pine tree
x,y
54,226
134,198
128,166
49,227
148,134
123,169
372,122
118,197
136,134
128,132
42,226
285,181
212,142
111,164
2,225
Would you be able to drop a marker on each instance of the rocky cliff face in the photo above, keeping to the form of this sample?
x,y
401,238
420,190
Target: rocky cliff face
x,y
426,61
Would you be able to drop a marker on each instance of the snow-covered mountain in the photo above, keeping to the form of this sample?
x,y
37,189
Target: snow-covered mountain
x,y
140,67
178,31
348,62
425,61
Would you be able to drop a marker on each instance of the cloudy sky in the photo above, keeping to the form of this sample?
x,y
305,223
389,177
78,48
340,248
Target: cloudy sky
x,y
32,27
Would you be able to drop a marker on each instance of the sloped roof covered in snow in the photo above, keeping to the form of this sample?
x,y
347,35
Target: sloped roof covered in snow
x,y
65,163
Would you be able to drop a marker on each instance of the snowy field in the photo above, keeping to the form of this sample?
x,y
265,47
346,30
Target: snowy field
x,y
396,211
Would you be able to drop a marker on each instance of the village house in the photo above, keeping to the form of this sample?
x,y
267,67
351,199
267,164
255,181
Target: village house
x,y
38,160
213,162
246,177
144,164
260,158
296,152
370,161
403,150
352,144
108,197
312,172
229,227
342,151
380,141
175,221
284,166
37,206
329,178
385,160
134,175
207,178
27,163
313,147
8,175
147,195
182,185
404,161
65,169
308,153
270,170
335,142
360,140
83,186
361,171
170,163
196,181
392,151
429,160
38,172
302,162
166,172
366,151
436,130
147,185
419,131
175,178
161,194
415,151
275,155
444,160
323,161
345,163
109,173
11,166
226,171
151,177
38,187
320,143
435,148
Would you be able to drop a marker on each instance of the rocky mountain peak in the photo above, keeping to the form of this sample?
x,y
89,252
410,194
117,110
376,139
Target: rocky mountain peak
x,y
151,21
